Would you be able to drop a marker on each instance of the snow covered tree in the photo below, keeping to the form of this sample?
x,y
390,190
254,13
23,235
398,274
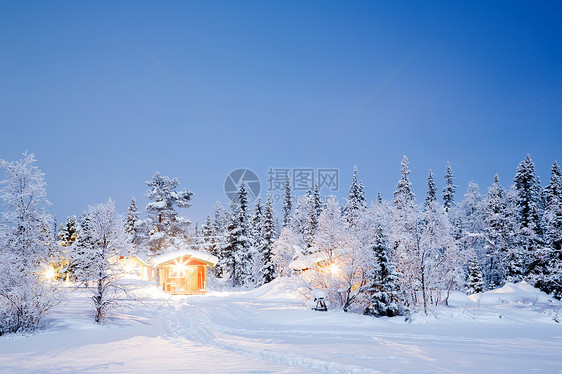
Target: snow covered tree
x,y
256,234
497,228
133,225
132,218
304,219
530,212
266,244
25,240
549,279
209,242
164,221
436,259
516,261
68,232
286,248
239,249
331,231
355,204
67,235
475,279
470,220
431,190
220,227
449,189
97,262
382,292
404,234
287,203
317,203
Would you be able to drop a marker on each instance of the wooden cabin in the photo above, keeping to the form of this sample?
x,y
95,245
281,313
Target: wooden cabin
x,y
180,272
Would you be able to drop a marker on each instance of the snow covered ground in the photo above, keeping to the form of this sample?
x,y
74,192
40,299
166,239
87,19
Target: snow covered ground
x,y
270,330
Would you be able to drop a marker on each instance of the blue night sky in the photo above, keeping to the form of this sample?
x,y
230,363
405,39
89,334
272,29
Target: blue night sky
x,y
478,84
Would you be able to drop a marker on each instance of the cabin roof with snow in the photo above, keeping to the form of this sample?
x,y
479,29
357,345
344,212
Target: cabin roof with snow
x,y
200,256
308,261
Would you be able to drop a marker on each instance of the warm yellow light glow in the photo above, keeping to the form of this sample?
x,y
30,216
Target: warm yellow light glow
x,y
334,269
179,268
50,273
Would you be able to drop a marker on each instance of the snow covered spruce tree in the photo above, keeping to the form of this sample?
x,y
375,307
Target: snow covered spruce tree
x,y
304,219
208,236
381,293
405,234
267,272
287,203
356,204
497,229
550,256
239,249
529,213
133,225
25,295
471,241
96,262
449,189
221,221
67,235
475,279
256,234
165,225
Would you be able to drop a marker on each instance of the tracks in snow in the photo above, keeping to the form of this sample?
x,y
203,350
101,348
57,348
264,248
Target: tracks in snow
x,y
191,322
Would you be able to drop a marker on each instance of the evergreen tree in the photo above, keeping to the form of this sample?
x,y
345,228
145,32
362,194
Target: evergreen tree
x,y
317,201
132,218
208,237
449,189
266,245
356,203
256,233
497,228
166,225
475,279
382,294
530,213
431,190
220,228
68,232
287,203
379,197
403,196
549,279
470,220
239,251
133,225
405,230
304,221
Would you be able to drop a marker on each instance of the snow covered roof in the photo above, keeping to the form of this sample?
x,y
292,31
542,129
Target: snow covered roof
x,y
196,255
308,261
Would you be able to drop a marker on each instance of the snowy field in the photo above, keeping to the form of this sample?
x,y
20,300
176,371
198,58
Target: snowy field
x,y
270,330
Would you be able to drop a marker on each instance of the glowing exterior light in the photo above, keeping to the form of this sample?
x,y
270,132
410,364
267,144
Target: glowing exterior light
x,y
334,269
179,268
50,273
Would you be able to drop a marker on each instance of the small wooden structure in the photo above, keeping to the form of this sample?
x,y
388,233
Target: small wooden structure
x,y
180,272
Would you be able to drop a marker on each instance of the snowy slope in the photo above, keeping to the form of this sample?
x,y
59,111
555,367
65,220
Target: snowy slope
x,y
269,330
